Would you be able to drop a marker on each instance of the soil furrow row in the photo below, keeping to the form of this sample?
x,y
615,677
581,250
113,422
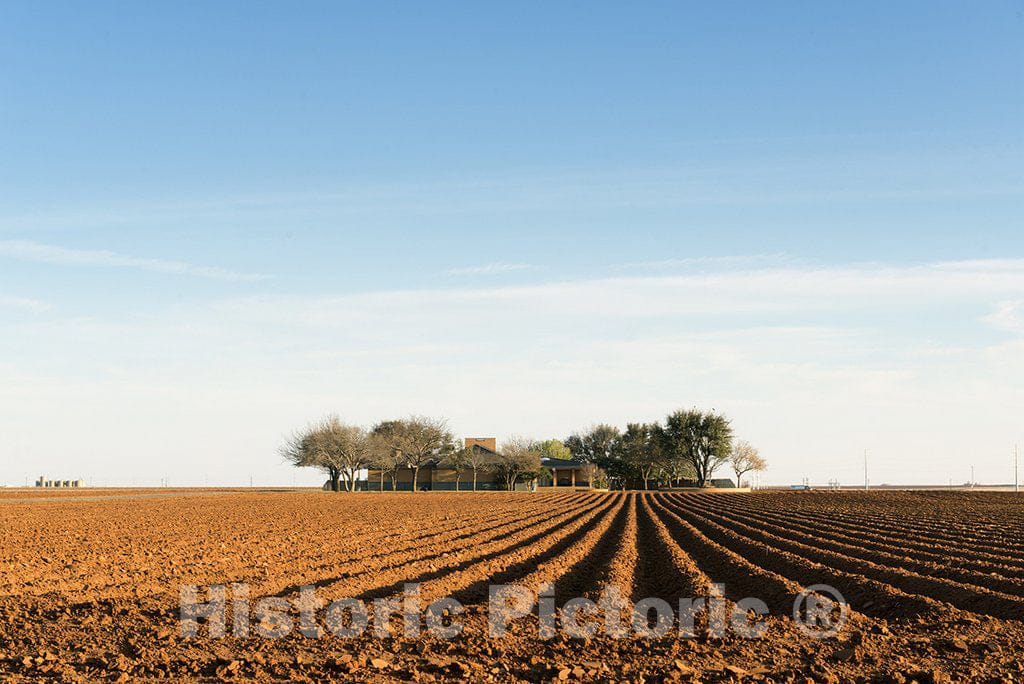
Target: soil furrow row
x,y
885,555
865,594
967,597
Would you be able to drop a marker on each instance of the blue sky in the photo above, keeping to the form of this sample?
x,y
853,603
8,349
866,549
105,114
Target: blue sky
x,y
219,221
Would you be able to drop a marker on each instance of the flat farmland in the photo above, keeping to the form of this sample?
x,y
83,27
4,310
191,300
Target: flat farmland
x,y
91,584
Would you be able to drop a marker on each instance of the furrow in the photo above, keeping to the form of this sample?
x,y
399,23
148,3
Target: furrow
x,y
722,565
469,584
865,594
883,555
459,562
967,597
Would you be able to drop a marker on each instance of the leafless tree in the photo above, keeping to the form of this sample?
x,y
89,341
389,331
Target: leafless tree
x,y
458,460
595,475
744,459
386,459
516,457
421,441
477,459
389,458
339,449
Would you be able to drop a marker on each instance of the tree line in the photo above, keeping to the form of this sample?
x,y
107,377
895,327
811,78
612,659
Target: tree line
x,y
689,445
342,450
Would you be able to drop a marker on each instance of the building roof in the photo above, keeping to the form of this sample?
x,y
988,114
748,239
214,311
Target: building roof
x,y
560,463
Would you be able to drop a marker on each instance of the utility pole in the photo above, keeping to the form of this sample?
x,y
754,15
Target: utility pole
x,y
1016,470
972,477
865,470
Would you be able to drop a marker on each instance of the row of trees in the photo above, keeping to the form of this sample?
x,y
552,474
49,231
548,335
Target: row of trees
x,y
689,445
343,450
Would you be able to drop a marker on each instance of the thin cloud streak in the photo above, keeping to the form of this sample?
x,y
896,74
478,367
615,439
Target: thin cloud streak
x,y
1008,316
27,250
25,303
489,269
726,292
707,262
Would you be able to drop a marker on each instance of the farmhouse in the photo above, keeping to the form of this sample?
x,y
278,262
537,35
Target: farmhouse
x,y
565,473
437,476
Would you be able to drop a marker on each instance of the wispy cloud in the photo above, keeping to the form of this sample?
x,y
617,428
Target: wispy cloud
x,y
489,269
707,262
783,295
23,303
27,250
1007,316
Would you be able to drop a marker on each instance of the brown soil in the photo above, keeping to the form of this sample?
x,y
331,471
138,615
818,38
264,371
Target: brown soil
x,y
89,587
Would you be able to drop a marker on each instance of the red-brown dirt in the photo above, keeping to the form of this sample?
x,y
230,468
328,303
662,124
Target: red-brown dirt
x,y
90,582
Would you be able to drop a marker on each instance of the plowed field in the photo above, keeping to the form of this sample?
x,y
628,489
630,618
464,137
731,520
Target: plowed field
x,y
90,583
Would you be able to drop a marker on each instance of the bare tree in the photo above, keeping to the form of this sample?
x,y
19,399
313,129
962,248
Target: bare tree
x,y
386,459
516,457
389,458
596,477
458,460
477,459
422,440
306,449
339,449
744,459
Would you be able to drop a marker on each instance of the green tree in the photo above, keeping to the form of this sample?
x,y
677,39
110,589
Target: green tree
x,y
640,449
596,445
703,439
675,469
535,475
553,448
